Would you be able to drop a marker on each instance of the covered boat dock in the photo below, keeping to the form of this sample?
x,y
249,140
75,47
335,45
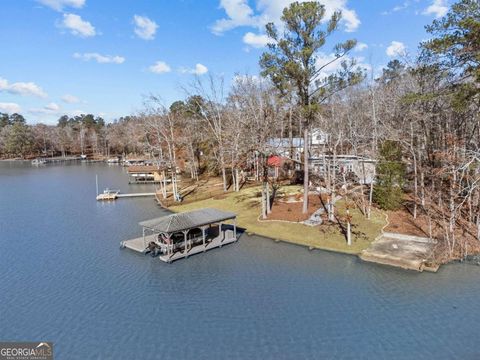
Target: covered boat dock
x,y
145,174
180,235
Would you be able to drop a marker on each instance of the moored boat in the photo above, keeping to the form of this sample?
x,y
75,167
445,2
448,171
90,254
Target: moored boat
x,y
39,161
108,195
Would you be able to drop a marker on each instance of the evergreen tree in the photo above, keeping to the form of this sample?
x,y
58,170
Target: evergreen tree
x,y
19,139
4,120
388,192
455,50
292,62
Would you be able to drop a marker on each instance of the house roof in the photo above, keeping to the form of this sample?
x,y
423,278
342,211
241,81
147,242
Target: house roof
x,y
285,142
341,158
187,220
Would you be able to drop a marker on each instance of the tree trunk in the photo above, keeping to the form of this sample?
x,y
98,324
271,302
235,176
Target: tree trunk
x,y
415,185
370,200
305,171
224,178
164,188
290,133
478,227
264,207
267,193
237,179
349,231
331,209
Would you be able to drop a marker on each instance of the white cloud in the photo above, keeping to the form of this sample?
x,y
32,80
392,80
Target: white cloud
x,y
239,13
256,40
101,59
144,27
49,109
22,88
160,67
70,99
332,67
438,8
360,47
10,108
58,5
396,48
199,69
52,106
397,8
78,26
350,18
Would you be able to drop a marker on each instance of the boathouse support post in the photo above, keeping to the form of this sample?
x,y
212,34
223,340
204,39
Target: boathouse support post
x,y
203,237
235,228
185,232
221,233
169,244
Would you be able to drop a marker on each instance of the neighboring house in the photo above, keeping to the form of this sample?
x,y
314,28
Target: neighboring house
x,y
318,137
363,168
280,166
294,150
283,147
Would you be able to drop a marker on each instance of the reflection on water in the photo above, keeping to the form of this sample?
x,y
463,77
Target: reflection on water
x,y
64,279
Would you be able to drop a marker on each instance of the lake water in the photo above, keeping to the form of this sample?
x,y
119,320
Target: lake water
x,y
65,279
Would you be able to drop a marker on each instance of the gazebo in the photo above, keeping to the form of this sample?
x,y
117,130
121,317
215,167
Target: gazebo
x,y
179,235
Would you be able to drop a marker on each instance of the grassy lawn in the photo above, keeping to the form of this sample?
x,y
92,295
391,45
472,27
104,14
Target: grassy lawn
x,y
246,204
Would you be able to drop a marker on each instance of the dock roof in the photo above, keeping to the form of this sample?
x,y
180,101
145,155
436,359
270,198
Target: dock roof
x,y
143,168
187,220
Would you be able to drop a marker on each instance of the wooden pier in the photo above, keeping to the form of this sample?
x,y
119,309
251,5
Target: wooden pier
x,y
135,195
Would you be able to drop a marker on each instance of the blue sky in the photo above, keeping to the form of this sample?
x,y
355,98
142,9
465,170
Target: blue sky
x,y
90,56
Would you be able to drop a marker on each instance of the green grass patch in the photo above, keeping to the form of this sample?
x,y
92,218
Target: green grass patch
x,y
328,236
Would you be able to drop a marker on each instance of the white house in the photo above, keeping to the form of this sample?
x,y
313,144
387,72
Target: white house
x,y
294,150
363,168
318,137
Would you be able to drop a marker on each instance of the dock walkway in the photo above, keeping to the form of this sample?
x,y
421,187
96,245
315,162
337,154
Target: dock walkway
x,y
138,244
135,195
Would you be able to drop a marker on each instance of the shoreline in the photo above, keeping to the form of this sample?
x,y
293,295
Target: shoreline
x,y
324,237
367,234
